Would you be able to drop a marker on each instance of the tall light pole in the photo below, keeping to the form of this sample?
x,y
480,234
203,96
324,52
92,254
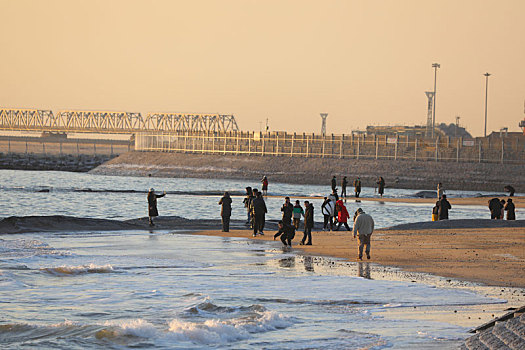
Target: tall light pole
x,y
435,66
487,75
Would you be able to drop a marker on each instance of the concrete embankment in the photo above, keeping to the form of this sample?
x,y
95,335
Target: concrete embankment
x,y
397,173
77,163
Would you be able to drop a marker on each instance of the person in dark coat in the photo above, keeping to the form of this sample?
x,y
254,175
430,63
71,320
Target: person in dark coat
x,y
247,201
334,183
343,187
226,211
443,208
287,233
264,182
259,214
152,205
287,210
510,209
495,208
381,186
357,187
308,223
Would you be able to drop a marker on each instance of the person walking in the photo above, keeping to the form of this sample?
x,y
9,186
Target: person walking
x,y
287,210
297,213
342,215
443,208
325,210
264,182
334,183
226,211
381,186
259,214
247,201
509,208
440,191
287,233
152,204
363,228
495,208
308,223
332,208
344,183
357,187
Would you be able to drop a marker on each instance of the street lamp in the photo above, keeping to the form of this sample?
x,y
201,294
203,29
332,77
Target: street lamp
x,y
435,66
487,75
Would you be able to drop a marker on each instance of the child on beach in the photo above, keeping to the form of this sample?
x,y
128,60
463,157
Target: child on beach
x,y
297,212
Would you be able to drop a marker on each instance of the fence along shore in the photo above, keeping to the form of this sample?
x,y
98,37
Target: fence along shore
x,y
360,146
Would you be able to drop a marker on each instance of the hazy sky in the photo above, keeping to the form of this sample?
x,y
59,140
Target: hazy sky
x,y
363,62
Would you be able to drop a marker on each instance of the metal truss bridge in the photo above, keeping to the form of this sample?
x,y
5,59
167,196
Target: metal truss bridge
x,y
112,122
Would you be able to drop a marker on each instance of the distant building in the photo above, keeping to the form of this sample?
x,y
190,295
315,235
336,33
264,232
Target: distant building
x,y
451,130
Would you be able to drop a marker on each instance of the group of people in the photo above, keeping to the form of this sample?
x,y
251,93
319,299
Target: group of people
x,y
498,208
357,186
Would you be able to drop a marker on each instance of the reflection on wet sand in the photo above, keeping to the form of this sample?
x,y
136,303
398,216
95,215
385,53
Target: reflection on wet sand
x,y
363,270
308,263
288,262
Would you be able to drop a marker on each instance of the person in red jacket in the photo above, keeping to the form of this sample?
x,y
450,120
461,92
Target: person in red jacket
x,y
342,215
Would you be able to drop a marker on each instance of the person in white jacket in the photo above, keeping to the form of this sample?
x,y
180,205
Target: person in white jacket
x,y
363,228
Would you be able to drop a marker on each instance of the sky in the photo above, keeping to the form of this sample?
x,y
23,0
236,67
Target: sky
x,y
364,62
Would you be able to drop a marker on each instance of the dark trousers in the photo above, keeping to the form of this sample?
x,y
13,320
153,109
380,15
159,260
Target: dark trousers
x,y
307,235
225,223
343,192
328,218
258,225
286,240
357,192
287,220
296,222
342,223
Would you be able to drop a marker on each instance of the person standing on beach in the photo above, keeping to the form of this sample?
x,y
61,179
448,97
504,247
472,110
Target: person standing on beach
x,y
495,208
325,210
381,186
287,210
297,213
152,204
435,212
502,215
440,191
509,189
259,214
226,211
443,208
308,223
248,204
357,187
343,187
509,208
264,186
363,228
287,233
342,215
334,183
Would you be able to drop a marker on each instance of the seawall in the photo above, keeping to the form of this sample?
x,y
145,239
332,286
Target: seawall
x,y
397,173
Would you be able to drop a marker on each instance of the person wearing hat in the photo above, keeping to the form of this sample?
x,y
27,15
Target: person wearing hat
x,y
363,228
152,204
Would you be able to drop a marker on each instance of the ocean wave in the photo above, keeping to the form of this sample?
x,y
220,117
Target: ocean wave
x,y
216,331
78,270
209,307
20,248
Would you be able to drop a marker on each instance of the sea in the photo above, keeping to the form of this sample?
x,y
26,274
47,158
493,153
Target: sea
x,y
145,289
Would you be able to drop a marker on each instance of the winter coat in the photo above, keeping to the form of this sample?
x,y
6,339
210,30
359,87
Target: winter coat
x,y
381,184
226,203
288,231
357,184
152,203
331,205
287,210
342,213
363,225
443,208
495,206
258,206
511,211
309,216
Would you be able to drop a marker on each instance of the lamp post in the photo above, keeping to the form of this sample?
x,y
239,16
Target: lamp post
x,y
435,66
487,75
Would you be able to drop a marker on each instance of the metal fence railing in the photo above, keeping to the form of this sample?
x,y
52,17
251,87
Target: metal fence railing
x,y
337,146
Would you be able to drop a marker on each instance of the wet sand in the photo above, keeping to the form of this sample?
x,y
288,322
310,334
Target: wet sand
x,y
492,256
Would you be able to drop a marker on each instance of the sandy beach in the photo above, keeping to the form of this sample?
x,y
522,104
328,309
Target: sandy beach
x,y
492,256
